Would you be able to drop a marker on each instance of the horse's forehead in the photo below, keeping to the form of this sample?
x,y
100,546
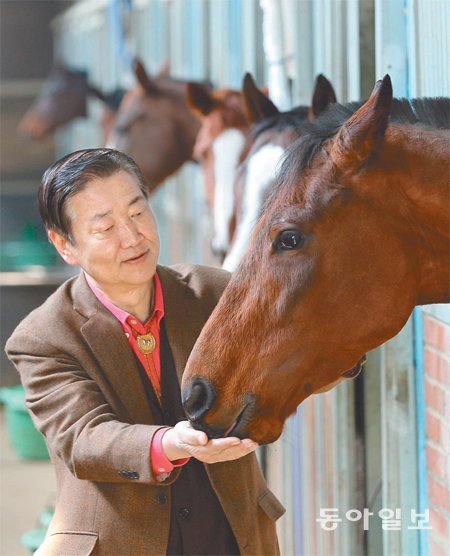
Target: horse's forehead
x,y
264,138
137,97
134,103
131,99
306,193
263,164
274,136
259,166
142,98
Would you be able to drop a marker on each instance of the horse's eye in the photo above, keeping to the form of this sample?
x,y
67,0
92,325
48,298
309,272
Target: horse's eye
x,y
288,240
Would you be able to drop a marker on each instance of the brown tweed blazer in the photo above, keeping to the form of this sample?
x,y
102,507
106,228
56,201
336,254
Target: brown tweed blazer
x,y
85,395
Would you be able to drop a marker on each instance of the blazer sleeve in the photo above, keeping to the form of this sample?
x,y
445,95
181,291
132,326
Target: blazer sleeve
x,y
78,423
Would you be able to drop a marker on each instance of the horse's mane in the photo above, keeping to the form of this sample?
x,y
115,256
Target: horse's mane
x,y
428,112
282,120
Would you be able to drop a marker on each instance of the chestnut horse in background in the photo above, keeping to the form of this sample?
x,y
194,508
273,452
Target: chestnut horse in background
x,y
155,126
232,124
355,235
270,135
64,98
218,148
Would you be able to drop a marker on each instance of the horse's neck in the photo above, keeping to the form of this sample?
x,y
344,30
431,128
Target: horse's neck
x,y
425,183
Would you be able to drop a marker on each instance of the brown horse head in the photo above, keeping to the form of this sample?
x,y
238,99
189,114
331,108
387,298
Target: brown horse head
x,y
62,99
155,126
355,235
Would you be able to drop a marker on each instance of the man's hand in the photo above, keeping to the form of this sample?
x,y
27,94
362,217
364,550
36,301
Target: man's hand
x,y
184,441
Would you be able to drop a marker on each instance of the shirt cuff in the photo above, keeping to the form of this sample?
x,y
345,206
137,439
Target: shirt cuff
x,y
161,466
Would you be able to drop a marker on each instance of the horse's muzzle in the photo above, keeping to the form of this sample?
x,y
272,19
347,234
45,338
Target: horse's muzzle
x,y
199,398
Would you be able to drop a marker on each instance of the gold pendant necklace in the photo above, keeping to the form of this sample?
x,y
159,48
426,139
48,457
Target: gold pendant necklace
x,y
146,343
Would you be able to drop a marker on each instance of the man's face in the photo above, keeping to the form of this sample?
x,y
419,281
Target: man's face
x,y
115,238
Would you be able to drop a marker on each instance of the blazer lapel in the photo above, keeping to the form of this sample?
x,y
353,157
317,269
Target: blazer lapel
x,y
105,337
183,315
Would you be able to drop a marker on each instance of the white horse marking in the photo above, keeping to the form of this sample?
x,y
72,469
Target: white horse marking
x,y
227,148
261,171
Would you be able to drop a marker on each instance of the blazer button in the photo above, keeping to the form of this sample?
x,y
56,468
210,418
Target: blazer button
x,y
162,499
183,513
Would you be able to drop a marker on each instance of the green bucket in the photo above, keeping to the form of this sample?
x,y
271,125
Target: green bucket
x,y
23,435
33,538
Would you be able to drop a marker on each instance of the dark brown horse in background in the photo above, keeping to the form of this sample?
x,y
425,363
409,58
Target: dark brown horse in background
x,y
155,126
62,99
355,235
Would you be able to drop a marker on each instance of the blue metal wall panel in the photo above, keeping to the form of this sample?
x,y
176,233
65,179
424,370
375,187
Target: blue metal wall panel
x,y
420,427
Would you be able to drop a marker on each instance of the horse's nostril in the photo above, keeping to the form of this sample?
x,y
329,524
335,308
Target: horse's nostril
x,y
199,399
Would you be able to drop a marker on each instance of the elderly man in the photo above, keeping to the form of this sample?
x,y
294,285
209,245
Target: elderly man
x,y
101,362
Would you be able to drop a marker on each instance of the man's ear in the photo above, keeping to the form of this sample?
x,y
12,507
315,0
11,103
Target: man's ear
x,y
64,247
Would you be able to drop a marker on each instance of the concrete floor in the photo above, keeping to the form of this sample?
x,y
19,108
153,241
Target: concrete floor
x,y
26,489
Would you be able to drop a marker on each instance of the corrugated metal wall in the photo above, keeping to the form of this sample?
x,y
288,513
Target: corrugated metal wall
x,y
354,447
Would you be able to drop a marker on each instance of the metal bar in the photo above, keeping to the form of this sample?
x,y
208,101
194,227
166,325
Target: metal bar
x,y
420,427
391,43
275,53
399,438
297,487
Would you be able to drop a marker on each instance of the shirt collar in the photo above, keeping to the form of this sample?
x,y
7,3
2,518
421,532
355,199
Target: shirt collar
x,y
122,315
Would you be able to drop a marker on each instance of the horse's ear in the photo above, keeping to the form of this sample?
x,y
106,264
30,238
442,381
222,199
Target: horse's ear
x,y
143,78
362,135
257,105
323,95
200,98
